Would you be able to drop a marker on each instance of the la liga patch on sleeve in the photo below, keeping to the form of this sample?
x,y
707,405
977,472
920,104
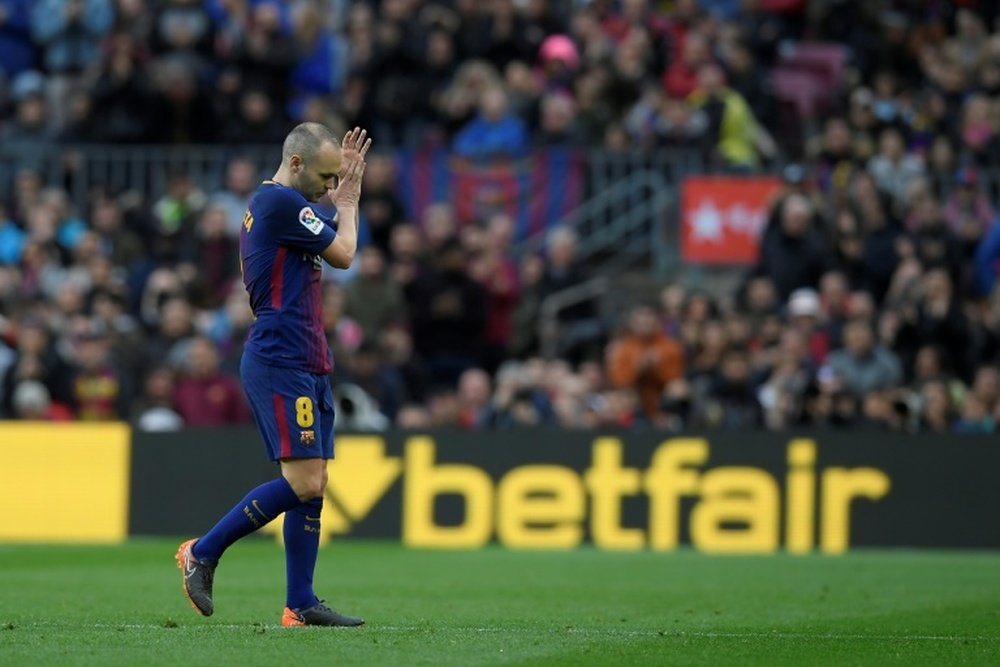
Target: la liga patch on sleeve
x,y
310,220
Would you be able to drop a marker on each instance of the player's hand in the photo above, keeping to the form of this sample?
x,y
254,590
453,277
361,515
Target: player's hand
x,y
352,169
354,146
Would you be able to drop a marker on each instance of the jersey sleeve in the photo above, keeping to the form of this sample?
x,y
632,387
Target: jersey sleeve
x,y
301,226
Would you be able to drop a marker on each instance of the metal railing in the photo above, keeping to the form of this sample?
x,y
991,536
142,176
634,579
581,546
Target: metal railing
x,y
80,169
628,217
554,338
605,167
620,225
623,221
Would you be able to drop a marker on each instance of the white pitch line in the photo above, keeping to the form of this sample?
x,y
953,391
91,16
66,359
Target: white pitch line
x,y
590,632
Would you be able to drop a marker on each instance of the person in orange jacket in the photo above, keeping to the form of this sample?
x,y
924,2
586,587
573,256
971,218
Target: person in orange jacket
x,y
645,358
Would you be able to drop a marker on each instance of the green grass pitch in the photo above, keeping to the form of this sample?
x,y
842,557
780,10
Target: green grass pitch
x,y
123,606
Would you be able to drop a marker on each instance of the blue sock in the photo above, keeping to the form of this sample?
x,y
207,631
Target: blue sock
x,y
256,510
301,548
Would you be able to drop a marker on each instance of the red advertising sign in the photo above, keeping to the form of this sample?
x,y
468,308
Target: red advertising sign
x,y
722,217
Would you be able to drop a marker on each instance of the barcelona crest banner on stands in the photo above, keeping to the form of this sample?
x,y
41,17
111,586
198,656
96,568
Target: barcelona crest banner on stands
x,y
536,189
722,217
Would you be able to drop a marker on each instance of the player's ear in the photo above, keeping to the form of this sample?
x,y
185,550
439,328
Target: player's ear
x,y
295,162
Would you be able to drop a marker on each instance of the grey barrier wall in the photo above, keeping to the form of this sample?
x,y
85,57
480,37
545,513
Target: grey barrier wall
x,y
755,493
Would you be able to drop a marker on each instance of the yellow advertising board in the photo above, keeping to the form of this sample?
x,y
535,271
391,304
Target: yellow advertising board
x,y
64,482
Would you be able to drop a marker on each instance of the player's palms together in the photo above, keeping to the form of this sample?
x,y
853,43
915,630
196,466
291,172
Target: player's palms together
x,y
352,168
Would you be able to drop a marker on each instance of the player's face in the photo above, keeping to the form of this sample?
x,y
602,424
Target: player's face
x,y
315,176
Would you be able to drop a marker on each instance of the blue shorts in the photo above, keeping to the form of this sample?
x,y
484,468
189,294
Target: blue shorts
x,y
293,409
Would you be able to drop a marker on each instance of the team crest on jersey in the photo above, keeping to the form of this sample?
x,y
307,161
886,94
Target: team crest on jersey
x,y
310,220
307,437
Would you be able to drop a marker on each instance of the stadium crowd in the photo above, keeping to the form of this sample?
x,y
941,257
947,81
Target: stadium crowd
x,y
873,303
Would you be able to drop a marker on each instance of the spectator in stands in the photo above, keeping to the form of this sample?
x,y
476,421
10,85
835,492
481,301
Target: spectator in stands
x,y
967,211
681,77
31,401
704,337
474,391
738,140
99,389
975,417
934,245
645,359
804,317
904,170
761,299
835,160
212,258
518,400
154,410
205,396
730,401
864,125
496,272
441,60
355,410
174,216
439,226
122,94
31,129
987,260
36,359
174,325
397,353
559,59
880,235
180,109
241,179
678,125
69,33
382,383
12,238
556,123
458,102
863,366
442,403
834,295
408,257
182,28
80,126
594,46
887,411
978,130
580,328
382,207
374,300
495,131
892,167
795,255
265,53
937,409
939,320
524,317
787,379
257,120
448,313
986,386
15,38
414,417
120,244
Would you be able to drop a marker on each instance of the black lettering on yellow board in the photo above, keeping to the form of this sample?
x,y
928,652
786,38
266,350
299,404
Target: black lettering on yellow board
x,y
732,509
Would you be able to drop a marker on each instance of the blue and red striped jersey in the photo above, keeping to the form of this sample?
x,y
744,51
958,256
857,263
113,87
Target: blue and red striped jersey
x,y
280,242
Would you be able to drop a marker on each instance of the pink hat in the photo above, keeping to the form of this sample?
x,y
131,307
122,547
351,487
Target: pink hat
x,y
560,47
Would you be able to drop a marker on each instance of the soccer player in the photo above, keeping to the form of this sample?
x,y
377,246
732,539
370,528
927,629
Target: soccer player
x,y
286,360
